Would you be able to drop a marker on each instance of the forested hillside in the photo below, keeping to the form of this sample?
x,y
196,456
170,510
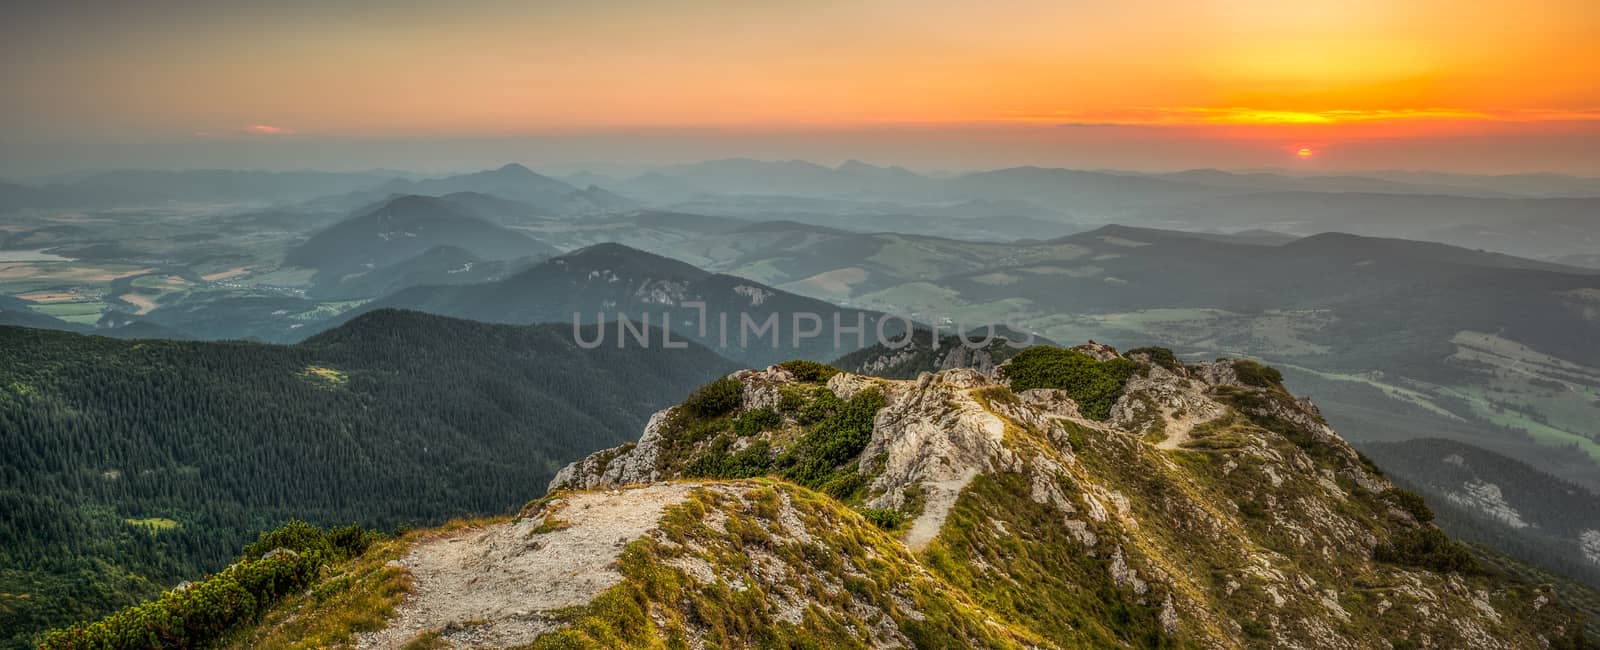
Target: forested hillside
x,y
128,466
1484,497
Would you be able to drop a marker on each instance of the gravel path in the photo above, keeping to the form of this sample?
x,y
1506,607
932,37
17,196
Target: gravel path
x,y
496,587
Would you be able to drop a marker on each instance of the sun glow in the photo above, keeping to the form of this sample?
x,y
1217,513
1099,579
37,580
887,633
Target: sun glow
x,y
1304,153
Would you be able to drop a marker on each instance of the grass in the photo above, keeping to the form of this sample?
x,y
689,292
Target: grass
x,y
1074,603
330,376
784,598
355,598
430,640
73,312
550,524
153,525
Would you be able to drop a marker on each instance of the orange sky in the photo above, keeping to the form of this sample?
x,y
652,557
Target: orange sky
x,y
1304,71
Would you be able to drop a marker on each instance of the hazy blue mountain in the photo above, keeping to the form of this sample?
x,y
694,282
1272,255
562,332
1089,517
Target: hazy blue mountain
x,y
439,265
646,229
657,188
494,208
511,181
1575,234
1378,215
1270,182
230,185
18,197
991,209
403,228
1539,184
832,264
796,177
525,194
1375,284
1077,190
608,281
596,200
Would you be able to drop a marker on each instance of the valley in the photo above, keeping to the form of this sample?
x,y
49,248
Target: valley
x,y
1398,340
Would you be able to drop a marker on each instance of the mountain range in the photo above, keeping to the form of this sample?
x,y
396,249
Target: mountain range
x,y
385,240
742,319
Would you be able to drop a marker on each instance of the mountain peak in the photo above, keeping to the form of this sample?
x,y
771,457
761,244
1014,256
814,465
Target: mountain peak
x,y
624,260
515,169
410,204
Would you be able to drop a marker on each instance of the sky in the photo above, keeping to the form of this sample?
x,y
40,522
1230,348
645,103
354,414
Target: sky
x,y
1459,85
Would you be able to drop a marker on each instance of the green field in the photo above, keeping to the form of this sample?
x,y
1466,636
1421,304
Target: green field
x,y
86,313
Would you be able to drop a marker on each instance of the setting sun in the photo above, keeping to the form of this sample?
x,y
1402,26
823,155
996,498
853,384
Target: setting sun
x,y
1304,152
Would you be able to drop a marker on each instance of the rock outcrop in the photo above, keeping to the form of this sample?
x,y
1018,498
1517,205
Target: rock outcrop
x,y
1225,514
950,510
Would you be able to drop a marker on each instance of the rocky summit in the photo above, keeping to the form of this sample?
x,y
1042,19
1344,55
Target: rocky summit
x,y
1066,499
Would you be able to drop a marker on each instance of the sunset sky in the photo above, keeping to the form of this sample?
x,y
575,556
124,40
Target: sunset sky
x,y
1474,85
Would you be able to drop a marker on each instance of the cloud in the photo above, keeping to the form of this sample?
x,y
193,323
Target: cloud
x,y
1240,115
1096,125
266,129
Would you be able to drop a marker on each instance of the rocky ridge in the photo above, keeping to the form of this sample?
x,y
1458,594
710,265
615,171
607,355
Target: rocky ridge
x,y
1211,509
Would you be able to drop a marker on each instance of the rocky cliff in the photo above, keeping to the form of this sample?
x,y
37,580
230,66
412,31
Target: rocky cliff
x,y
799,506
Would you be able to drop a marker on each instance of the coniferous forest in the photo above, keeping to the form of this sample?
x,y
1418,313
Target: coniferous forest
x,y
129,466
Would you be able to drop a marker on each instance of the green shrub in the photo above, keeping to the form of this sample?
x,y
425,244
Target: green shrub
x,y
823,405
791,400
332,545
1254,374
1252,509
1094,385
754,422
1255,629
716,398
1410,502
1160,356
716,462
885,518
202,613
809,370
1429,548
843,429
844,486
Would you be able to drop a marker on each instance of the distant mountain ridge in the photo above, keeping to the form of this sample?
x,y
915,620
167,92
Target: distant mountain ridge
x,y
609,281
546,195
402,228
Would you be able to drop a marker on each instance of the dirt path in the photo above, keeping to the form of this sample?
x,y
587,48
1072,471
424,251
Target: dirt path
x,y
1177,432
1178,429
940,498
495,587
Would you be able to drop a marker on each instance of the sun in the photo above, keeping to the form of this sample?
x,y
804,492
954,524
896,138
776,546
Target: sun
x,y
1304,153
